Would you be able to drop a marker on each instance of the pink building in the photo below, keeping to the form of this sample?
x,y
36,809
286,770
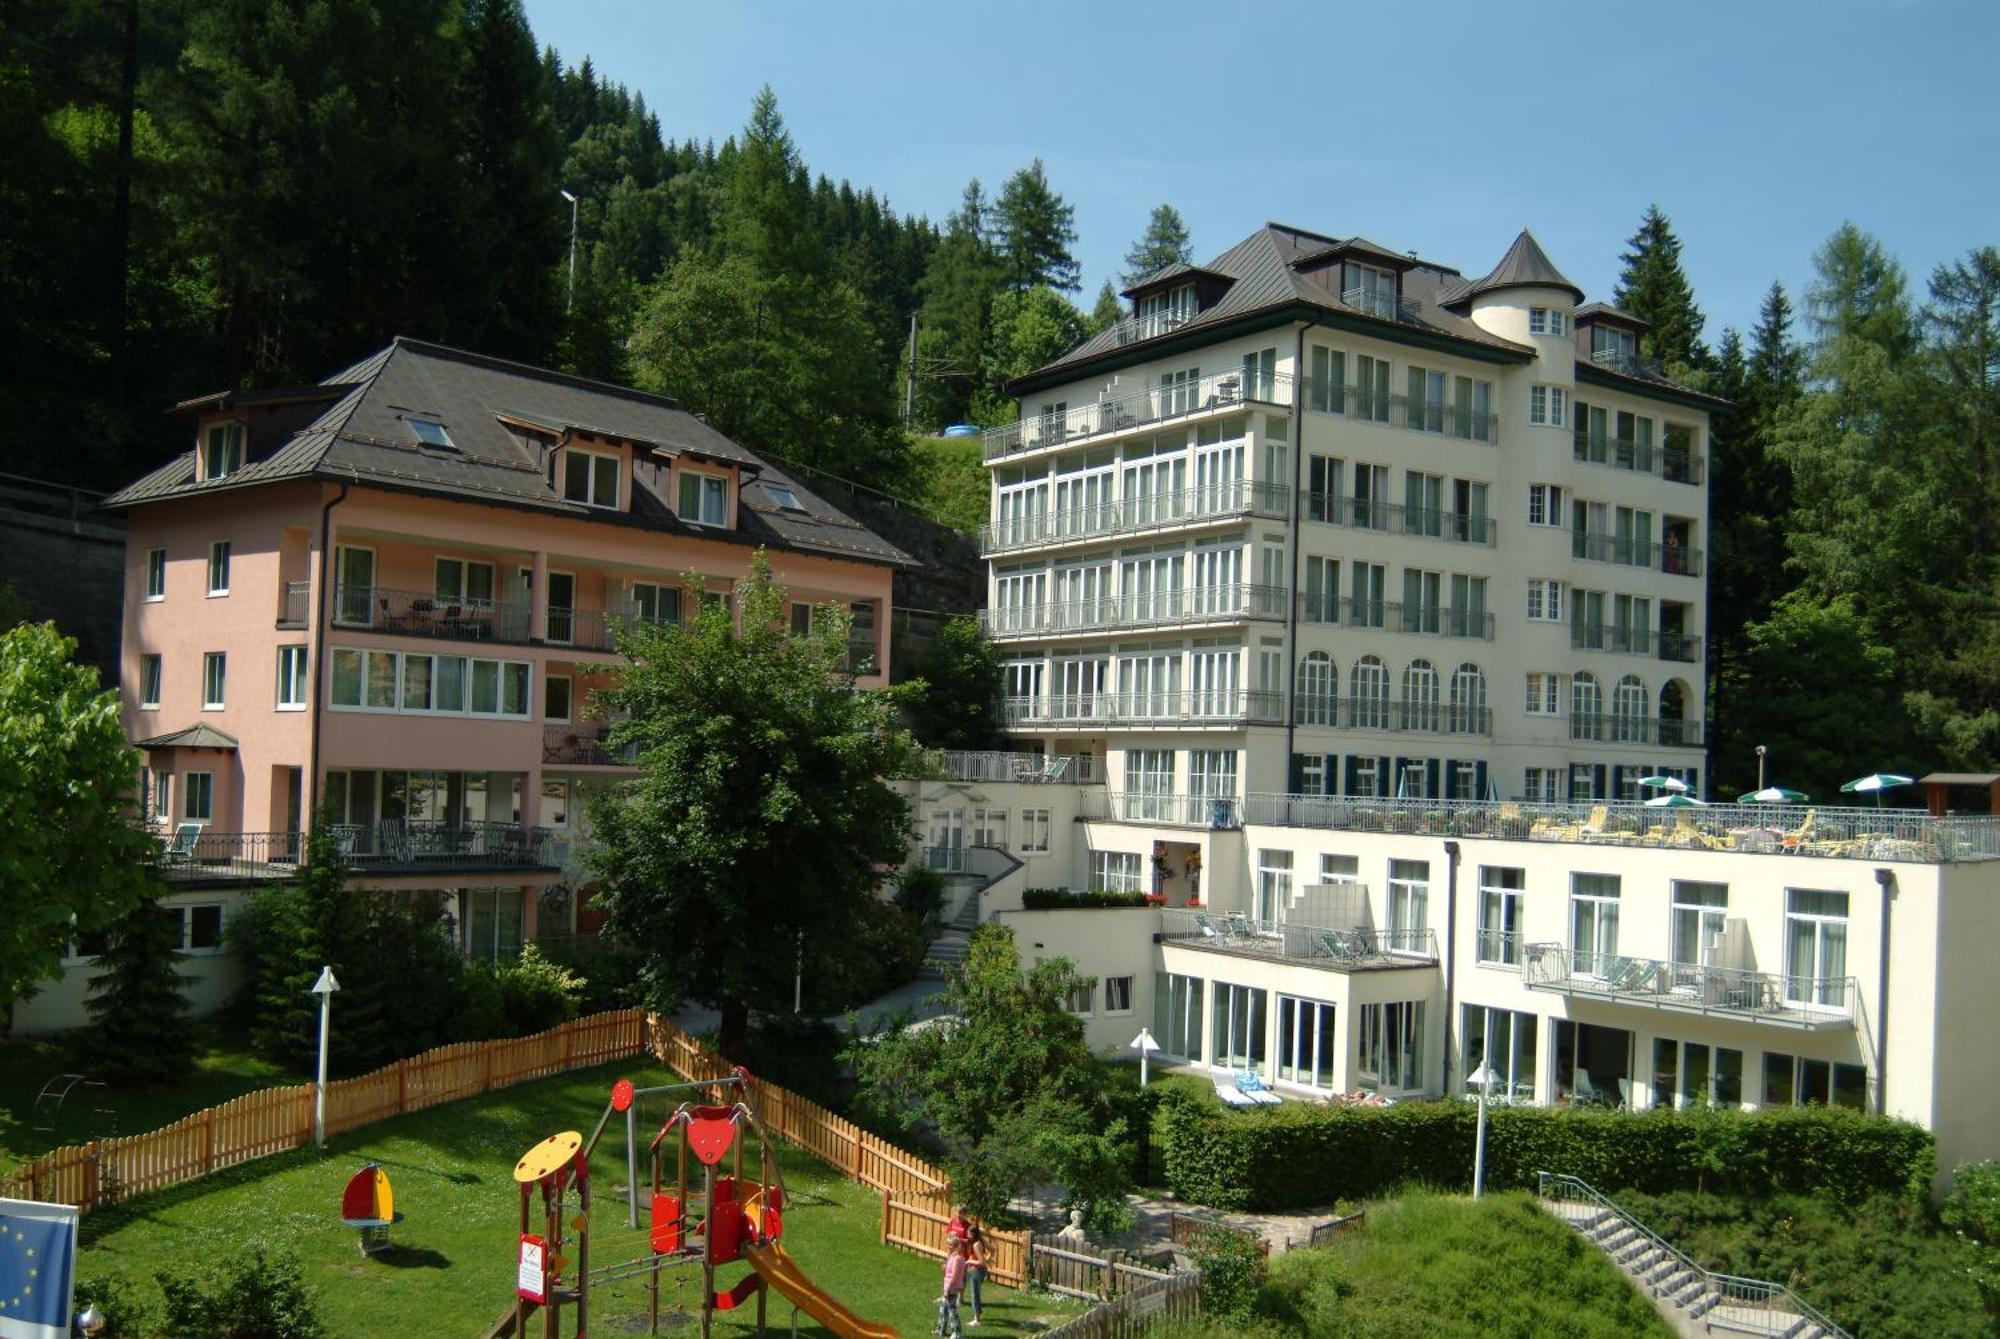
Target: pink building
x,y
388,599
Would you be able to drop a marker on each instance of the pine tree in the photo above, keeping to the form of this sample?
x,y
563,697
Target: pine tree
x,y
1036,231
139,1035
1653,287
1777,363
1108,312
1166,242
1860,293
769,200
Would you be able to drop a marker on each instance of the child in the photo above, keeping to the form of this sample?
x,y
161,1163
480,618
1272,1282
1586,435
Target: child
x,y
975,1265
954,1283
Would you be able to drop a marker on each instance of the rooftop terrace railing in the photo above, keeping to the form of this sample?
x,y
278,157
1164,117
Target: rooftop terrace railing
x,y
1136,515
1795,1001
1340,949
1137,408
999,765
1170,608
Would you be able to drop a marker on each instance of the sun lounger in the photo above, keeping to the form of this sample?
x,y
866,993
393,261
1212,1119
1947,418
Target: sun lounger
x,y
1206,926
1251,1085
1233,1096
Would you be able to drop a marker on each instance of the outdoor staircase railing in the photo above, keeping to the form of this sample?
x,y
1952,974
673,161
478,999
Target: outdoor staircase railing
x,y
1719,1301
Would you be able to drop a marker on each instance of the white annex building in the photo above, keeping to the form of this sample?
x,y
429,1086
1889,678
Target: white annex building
x,y
1352,608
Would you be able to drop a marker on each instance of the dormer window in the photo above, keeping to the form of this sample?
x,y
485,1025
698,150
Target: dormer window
x,y
431,433
1368,288
1161,312
1609,344
222,451
590,478
704,499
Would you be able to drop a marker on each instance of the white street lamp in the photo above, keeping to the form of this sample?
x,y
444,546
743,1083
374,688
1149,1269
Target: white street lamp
x,y
324,988
1482,1079
1145,1046
1760,767
570,306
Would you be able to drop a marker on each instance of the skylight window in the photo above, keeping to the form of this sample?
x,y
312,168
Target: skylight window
x,y
430,432
784,497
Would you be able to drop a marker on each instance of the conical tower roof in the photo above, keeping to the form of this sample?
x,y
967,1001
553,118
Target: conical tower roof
x,y
1525,265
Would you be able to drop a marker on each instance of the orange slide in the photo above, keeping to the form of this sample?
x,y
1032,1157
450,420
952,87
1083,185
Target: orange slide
x,y
783,1273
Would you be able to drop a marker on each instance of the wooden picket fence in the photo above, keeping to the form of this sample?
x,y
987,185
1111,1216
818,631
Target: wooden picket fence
x,y
1176,1297
1073,1269
916,1195
276,1120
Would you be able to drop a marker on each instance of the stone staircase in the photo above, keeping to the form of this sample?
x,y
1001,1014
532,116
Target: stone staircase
x,y
948,949
1693,1300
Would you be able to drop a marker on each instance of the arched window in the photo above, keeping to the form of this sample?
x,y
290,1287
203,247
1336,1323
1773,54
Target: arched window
x,y
1468,700
1371,694
1586,707
1420,696
1674,726
1319,681
1629,701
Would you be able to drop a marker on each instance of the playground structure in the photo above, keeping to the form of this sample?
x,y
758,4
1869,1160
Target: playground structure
x,y
368,1205
738,1218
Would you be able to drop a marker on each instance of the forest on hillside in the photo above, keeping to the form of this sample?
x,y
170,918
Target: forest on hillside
x,y
202,194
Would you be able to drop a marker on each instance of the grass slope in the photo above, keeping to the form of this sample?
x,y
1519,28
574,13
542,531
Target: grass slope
x,y
453,1270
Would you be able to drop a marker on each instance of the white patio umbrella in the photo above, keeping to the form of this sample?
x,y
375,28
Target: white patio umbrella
x,y
1675,800
1774,795
1875,783
1668,783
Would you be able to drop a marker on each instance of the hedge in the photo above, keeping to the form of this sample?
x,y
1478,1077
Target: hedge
x,y
1062,899
1298,1155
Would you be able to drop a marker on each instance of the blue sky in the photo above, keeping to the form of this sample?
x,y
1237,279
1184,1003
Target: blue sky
x,y
1442,126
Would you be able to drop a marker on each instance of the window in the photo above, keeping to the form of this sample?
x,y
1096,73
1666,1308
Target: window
x,y
202,928
1815,948
462,580
198,797
214,680
1117,994
1034,831
1545,600
784,497
656,604
1116,872
1544,694
416,682
1080,997
1799,1081
1558,321
1308,1041
555,803
1420,696
1593,905
1322,591
1545,505
1211,775
1538,320
590,478
149,681
430,432
1542,785
1369,696
704,499
156,574
1426,404
1274,887
492,923
1503,1041
1237,1027
1327,392
163,797
218,567
1313,701
1390,1056
1371,392
555,698
861,636
1468,707
1548,405
222,454
1586,707
989,828
1409,900
1500,891
1692,1074
1177,1014
1149,783
1629,701
291,678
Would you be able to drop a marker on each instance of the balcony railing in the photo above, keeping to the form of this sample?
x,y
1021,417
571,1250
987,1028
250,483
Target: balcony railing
x,y
296,611
1858,833
426,614
585,744
1610,727
1381,714
382,848
1187,811
1150,326
1424,522
1196,604
1680,647
1365,404
1428,620
1676,464
1137,515
1670,556
1766,997
998,765
1631,364
1137,409
1354,949
1205,706
1388,306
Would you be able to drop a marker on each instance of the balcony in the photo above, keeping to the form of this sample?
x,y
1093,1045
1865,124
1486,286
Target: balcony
x,y
407,613
1201,707
1631,364
1364,404
1671,557
1679,647
1428,620
1168,609
195,855
1613,728
1137,515
1810,1003
296,611
1384,716
1223,391
585,744
1395,518
1133,329
1675,463
1186,811
1384,304
1333,950
1859,833
999,765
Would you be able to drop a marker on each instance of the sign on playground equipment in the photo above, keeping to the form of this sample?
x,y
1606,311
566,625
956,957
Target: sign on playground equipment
x,y
533,1282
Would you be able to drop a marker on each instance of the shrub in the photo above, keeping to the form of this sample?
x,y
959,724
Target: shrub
x,y
536,993
1063,899
1973,1206
257,1296
1296,1155
609,970
920,890
1232,1268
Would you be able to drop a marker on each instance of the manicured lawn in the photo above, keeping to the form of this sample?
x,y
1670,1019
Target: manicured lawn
x,y
227,1070
453,1271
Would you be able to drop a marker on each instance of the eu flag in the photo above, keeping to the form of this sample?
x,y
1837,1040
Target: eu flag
x,y
37,1269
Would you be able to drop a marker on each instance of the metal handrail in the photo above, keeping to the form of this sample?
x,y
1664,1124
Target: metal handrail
x,y
1150,326
376,847
1325,945
1439,717
1138,408
1680,647
1731,1289
1001,765
1681,465
585,743
1155,511
1736,991
1424,522
1190,706
1430,620
1614,727
428,614
1367,405
1192,604
1388,306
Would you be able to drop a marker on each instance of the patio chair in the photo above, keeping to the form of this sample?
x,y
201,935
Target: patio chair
x,y
181,850
1333,944
1232,1095
1205,926
1597,826
1237,925
1792,840
1251,1084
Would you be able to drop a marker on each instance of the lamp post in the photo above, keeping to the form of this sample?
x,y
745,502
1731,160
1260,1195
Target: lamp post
x,y
324,988
1145,1046
1482,1079
570,306
1760,767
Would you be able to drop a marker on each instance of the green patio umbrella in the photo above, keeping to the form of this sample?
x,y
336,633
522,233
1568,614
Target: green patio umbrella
x,y
1672,783
1774,795
1675,800
1875,783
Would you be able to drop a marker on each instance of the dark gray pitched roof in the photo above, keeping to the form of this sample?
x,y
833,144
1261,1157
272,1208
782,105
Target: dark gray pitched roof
x,y
201,736
1605,309
365,437
1525,265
